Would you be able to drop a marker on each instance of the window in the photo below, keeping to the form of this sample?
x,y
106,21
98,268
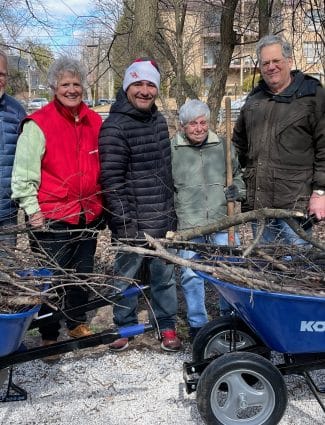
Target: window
x,y
313,51
212,22
209,54
314,18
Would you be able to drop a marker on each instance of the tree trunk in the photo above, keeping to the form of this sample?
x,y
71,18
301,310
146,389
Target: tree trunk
x,y
263,17
144,28
223,59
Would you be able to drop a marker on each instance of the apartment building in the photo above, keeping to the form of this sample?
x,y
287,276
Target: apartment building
x,y
301,23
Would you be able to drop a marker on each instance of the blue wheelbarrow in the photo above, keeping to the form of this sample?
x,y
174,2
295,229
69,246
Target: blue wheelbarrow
x,y
13,328
232,373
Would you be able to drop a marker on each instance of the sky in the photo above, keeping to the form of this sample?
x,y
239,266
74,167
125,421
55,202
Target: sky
x,y
65,24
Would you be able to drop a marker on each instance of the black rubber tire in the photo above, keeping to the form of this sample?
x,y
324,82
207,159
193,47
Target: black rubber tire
x,y
225,396
215,331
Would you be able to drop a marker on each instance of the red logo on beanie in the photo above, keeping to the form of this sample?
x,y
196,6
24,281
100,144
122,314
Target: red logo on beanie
x,y
134,74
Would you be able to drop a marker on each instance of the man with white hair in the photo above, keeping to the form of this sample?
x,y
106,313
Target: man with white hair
x,y
280,140
135,158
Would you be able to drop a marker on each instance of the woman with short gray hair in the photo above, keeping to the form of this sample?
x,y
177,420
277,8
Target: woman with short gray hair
x,y
66,65
201,196
193,109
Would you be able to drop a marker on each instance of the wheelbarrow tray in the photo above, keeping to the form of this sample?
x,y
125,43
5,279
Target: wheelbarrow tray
x,y
14,326
286,323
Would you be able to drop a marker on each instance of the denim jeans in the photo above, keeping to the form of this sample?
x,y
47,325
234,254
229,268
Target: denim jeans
x,y
278,230
193,285
161,278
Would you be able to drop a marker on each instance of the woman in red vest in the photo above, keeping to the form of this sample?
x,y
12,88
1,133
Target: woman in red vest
x,y
56,182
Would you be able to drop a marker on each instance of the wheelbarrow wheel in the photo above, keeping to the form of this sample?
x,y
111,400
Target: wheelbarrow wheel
x,y
222,335
241,388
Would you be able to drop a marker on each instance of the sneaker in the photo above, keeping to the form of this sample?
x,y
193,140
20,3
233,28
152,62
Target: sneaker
x,y
120,344
79,331
170,340
53,357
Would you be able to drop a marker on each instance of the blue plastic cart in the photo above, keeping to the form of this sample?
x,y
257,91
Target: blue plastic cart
x,y
239,360
13,328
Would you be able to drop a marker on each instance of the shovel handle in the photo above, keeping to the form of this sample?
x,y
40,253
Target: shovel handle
x,y
230,204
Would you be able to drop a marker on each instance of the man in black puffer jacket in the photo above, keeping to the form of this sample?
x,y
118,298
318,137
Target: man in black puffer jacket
x,y
136,177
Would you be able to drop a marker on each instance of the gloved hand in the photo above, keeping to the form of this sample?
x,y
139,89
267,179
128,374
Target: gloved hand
x,y
232,193
317,206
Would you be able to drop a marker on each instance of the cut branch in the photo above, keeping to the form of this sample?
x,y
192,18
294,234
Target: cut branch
x,y
226,222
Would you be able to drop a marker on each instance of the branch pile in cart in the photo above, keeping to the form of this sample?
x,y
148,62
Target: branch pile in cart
x,y
281,268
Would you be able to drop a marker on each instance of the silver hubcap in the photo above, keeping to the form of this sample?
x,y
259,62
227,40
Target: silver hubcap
x,y
226,341
242,396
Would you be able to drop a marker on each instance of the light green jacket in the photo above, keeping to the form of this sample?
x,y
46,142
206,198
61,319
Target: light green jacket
x,y
199,174
26,173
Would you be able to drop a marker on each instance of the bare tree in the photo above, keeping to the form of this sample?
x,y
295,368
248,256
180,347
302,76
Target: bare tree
x,y
144,28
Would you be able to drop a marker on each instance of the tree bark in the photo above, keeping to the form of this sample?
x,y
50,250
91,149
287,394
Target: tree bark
x,y
144,28
223,58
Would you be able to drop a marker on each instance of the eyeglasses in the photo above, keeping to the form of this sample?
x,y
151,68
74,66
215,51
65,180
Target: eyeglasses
x,y
275,62
3,75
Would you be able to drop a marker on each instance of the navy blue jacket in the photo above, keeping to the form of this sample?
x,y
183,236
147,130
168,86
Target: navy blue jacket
x,y
11,114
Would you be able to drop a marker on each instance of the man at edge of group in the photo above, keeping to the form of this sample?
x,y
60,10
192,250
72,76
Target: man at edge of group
x,y
136,176
280,140
56,181
199,175
11,114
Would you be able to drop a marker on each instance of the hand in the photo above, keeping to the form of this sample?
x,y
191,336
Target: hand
x,y
232,193
317,206
36,220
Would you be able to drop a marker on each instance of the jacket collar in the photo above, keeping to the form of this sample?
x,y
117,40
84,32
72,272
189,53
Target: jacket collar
x,y
301,85
66,113
3,100
181,140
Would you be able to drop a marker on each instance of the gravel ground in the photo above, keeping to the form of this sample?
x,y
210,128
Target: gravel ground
x,y
140,386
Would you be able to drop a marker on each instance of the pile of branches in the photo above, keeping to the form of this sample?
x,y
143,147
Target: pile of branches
x,y
274,267
290,269
28,279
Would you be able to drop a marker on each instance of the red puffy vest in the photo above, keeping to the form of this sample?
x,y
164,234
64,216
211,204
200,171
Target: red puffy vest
x,y
70,165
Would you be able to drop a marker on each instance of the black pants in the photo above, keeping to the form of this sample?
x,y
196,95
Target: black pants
x,y
66,246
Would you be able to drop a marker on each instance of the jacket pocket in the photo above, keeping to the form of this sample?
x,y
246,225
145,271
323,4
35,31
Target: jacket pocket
x,y
301,114
291,187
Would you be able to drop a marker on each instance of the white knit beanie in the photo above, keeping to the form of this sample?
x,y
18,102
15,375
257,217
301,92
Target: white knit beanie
x,y
141,71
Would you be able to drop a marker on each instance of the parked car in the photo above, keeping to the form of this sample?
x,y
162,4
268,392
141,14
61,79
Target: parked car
x,y
88,102
101,102
37,103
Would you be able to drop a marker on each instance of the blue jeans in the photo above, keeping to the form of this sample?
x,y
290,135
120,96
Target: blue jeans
x,y
193,285
162,289
278,230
